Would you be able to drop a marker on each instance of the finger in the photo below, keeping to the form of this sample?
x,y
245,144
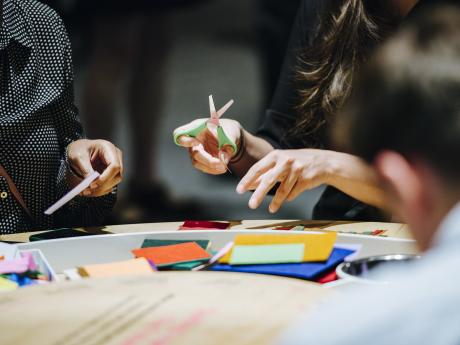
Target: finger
x,y
225,155
206,169
255,184
186,141
201,155
98,183
120,159
266,184
302,185
98,193
295,191
82,164
255,172
109,155
283,191
103,190
182,132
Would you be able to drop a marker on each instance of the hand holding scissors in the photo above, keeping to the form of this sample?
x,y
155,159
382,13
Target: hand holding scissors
x,y
212,141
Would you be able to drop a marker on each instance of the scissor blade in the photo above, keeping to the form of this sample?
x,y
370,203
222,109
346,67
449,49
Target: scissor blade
x,y
212,108
224,108
222,159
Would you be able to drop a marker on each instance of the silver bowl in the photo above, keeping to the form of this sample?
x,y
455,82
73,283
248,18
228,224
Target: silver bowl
x,y
361,269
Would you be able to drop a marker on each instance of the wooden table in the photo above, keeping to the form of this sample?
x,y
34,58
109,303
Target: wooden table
x,y
390,230
170,307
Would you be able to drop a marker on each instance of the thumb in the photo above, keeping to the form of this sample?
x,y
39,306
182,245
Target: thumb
x,y
225,154
186,141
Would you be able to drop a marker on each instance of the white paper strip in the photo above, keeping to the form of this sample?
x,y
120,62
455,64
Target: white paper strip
x,y
73,193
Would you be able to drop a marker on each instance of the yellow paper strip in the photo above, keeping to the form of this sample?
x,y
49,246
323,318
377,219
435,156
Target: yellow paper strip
x,y
318,247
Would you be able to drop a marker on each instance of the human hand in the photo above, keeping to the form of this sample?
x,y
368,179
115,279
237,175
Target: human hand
x,y
204,148
296,170
85,156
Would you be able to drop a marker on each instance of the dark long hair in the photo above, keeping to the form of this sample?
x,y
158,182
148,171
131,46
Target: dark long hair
x,y
348,31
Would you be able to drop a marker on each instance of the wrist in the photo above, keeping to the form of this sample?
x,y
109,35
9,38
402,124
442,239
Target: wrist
x,y
332,166
338,167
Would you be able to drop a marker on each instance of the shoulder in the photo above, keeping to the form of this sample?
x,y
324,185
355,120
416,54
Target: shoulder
x,y
425,298
41,19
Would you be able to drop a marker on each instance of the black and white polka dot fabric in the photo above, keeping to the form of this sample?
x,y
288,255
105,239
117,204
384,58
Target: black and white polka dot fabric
x,y
38,120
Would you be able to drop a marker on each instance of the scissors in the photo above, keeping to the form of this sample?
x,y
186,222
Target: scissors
x,y
213,121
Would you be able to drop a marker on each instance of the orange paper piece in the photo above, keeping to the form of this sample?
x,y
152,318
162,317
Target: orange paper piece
x,y
318,247
121,268
173,254
2,257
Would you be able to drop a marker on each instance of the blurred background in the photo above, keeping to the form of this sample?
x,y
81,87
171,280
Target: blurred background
x,y
145,67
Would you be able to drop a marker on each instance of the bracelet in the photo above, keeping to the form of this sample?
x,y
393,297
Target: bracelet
x,y
242,149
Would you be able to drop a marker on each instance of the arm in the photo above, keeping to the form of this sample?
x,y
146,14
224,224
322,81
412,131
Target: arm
x,y
279,119
301,170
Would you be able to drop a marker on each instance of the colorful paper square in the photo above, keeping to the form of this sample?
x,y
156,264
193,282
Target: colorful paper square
x,y
267,254
173,254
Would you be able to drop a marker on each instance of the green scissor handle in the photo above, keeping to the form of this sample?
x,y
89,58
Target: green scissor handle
x,y
222,138
194,132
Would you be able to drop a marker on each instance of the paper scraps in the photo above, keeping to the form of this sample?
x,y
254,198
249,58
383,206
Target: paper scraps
x,y
173,254
138,266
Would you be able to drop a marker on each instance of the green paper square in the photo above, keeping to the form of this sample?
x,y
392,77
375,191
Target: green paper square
x,y
186,266
267,254
160,243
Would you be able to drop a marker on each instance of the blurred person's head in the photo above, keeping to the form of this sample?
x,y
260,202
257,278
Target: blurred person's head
x,y
404,118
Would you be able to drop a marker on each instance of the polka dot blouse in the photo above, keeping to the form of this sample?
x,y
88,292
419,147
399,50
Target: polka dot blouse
x,y
38,120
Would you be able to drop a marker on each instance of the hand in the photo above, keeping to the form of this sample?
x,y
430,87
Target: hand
x,y
296,170
84,156
204,149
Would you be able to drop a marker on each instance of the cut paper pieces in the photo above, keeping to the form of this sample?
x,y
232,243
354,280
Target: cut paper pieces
x,y
327,277
173,254
290,228
204,225
318,247
72,274
216,257
31,264
186,266
138,266
7,285
267,254
308,270
20,265
160,243
73,193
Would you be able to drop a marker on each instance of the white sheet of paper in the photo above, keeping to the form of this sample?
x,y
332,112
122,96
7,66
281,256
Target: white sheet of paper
x,y
73,193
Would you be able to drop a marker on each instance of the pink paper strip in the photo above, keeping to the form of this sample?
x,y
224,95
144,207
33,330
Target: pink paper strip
x,y
14,266
30,261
